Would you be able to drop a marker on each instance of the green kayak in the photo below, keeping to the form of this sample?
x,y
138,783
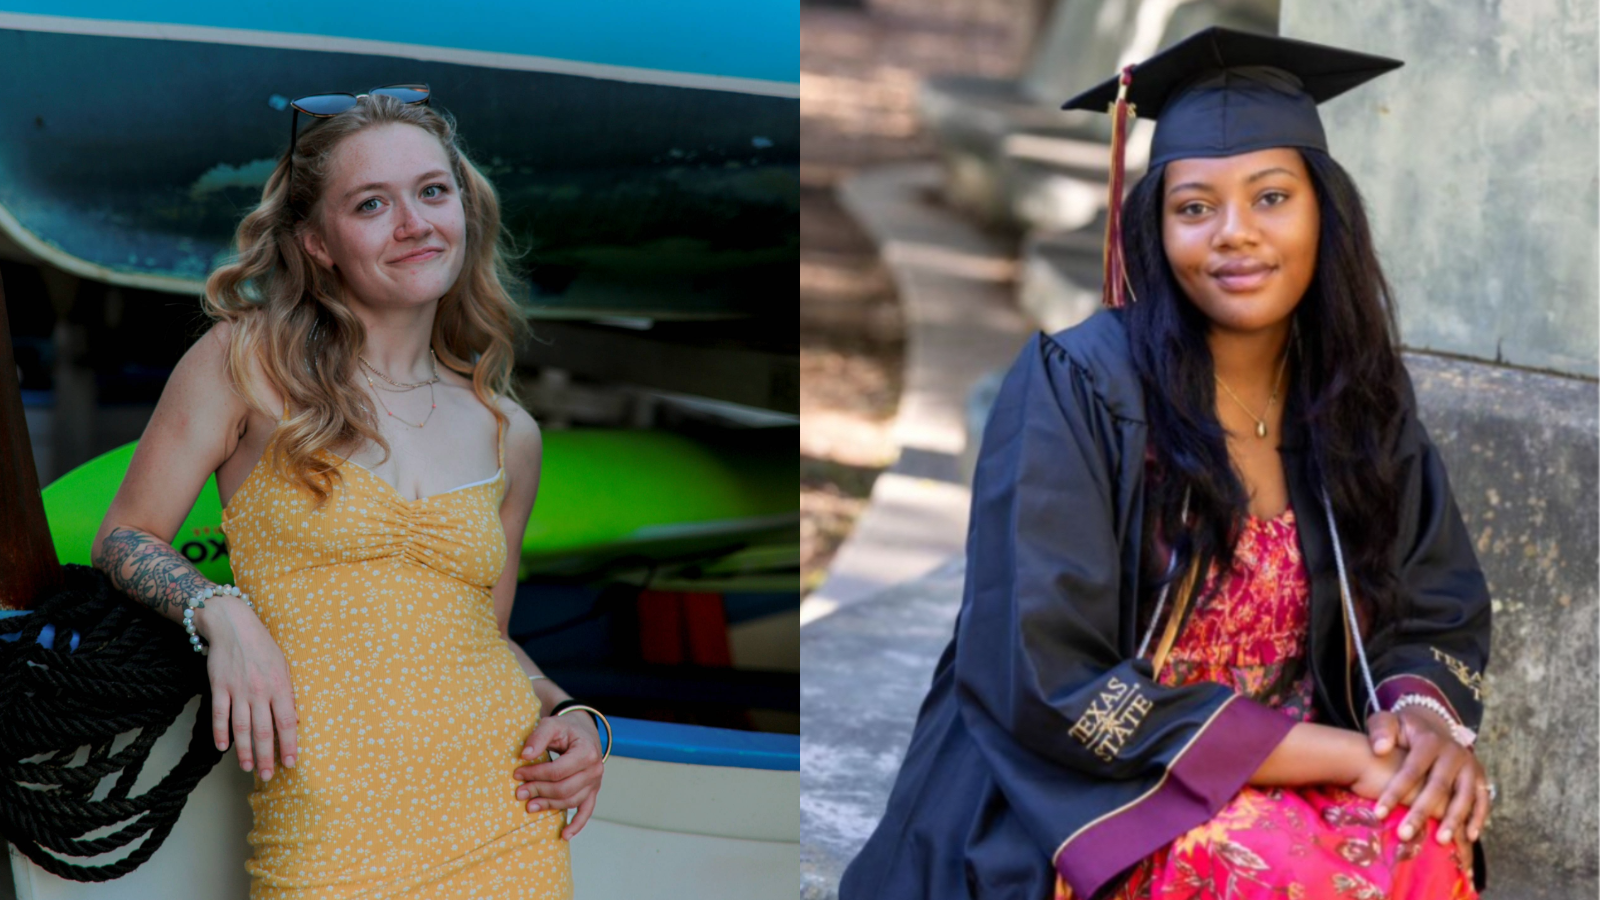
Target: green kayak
x,y
607,499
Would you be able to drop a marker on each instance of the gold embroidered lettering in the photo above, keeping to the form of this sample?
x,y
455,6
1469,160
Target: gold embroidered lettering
x,y
1113,717
1472,680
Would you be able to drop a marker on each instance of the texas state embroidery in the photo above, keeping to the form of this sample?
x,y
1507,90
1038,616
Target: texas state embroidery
x,y
1112,718
1472,680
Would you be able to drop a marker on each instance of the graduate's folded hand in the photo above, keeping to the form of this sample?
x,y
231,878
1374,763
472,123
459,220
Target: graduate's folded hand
x,y
1376,773
1447,780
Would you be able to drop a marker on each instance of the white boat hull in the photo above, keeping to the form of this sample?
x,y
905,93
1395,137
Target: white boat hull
x,y
708,832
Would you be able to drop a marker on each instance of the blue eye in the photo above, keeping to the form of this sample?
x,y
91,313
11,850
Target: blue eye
x,y
363,206
442,189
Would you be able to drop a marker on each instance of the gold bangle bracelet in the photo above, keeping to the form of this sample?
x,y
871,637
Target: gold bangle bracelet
x,y
537,677
599,715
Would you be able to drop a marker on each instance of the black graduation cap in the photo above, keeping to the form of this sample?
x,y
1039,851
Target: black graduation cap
x,y
1221,92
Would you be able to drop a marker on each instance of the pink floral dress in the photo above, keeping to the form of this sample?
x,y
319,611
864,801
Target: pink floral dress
x,y
1301,844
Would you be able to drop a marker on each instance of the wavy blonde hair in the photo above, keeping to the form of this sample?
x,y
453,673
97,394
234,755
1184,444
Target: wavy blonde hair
x,y
289,314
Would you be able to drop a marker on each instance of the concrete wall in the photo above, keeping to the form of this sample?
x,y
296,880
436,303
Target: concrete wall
x,y
1478,162
1522,450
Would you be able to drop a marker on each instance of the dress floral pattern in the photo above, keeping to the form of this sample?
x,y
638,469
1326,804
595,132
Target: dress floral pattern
x,y
412,708
1286,844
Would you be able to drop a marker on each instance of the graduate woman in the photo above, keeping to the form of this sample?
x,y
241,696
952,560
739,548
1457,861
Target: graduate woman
x,y
1223,631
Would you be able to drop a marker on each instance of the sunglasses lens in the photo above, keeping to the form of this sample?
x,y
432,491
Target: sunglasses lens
x,y
405,93
325,104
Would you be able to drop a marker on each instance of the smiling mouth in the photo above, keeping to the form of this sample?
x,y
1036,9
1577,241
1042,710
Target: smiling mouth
x,y
1242,279
421,255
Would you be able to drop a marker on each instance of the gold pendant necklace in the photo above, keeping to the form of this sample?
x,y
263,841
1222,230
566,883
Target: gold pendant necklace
x,y
1261,420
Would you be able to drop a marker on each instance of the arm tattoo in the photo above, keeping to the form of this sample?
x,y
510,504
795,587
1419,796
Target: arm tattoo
x,y
148,569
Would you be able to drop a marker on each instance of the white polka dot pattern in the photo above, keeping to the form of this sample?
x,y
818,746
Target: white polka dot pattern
x,y
412,709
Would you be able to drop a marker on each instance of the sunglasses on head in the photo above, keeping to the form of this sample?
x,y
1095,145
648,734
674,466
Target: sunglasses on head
x,y
323,106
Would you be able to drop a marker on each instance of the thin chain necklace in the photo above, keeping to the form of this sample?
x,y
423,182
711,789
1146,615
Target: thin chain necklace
x,y
400,384
432,399
1261,420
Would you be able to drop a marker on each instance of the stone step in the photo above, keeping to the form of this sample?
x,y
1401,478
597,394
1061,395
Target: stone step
x,y
1060,278
1055,183
867,668
1013,158
955,287
974,121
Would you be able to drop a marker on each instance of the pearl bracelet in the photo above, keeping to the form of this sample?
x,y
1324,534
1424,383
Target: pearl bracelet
x,y
198,601
1461,733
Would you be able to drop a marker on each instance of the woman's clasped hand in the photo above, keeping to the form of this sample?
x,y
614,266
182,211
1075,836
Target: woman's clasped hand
x,y
1418,763
572,779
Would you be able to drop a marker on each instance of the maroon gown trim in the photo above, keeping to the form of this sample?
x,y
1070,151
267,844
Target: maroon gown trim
x,y
1205,776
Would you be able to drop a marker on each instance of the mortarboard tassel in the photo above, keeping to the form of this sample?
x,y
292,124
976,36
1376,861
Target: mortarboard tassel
x,y
1115,267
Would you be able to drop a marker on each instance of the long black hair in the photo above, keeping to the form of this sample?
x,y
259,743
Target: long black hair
x,y
1346,391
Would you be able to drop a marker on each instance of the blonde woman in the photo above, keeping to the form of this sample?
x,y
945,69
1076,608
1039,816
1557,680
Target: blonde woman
x,y
353,399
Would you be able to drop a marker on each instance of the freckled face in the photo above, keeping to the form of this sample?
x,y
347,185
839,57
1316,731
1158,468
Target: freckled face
x,y
392,224
1241,234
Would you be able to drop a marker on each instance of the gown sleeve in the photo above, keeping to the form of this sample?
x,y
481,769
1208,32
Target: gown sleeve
x,y
1102,764
1441,646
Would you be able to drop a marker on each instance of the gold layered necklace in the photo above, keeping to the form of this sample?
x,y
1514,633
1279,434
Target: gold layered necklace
x,y
1261,420
403,386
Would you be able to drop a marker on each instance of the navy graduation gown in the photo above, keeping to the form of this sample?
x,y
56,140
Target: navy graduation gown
x,y
1041,739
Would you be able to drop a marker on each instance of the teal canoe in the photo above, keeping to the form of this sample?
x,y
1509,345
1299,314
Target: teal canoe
x,y
646,153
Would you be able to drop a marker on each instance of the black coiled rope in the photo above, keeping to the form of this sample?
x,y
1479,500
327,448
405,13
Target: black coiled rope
x,y
133,670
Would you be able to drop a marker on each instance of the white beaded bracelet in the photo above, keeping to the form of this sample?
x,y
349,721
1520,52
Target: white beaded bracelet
x,y
1462,734
198,601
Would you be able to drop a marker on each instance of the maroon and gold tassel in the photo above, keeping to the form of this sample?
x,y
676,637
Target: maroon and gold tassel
x,y
1113,292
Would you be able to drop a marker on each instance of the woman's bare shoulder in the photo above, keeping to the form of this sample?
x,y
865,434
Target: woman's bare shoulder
x,y
200,383
524,445
214,346
520,426
196,427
